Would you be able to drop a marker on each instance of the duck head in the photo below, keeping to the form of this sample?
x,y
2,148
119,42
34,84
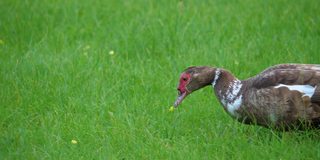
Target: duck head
x,y
192,79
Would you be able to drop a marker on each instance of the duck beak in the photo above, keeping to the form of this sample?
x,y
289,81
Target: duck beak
x,y
180,98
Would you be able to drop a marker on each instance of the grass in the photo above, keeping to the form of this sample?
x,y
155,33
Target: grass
x,y
59,83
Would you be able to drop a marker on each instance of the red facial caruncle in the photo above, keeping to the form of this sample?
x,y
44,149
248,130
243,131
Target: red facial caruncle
x,y
182,88
184,79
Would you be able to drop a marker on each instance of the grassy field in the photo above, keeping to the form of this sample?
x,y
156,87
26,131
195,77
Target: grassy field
x,y
104,73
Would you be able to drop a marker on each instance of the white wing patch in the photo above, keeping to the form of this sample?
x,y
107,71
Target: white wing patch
x,y
306,90
317,67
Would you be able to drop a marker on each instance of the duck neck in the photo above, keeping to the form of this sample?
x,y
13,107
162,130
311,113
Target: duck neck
x,y
228,90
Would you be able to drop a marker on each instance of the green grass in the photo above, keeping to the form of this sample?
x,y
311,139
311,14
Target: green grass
x,y
59,83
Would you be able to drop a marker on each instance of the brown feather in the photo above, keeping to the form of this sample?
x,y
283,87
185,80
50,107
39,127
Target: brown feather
x,y
316,96
288,75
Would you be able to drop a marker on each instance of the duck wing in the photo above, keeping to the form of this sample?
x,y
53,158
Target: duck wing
x,y
316,96
288,92
293,66
300,77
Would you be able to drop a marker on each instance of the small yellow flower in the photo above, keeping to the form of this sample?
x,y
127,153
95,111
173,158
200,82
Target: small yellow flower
x,y
171,109
111,52
74,141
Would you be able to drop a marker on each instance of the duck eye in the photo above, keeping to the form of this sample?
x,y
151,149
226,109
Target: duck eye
x,y
184,79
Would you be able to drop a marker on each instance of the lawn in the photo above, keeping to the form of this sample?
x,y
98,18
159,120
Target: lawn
x,y
95,79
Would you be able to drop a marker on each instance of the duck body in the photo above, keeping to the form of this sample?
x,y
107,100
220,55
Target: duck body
x,y
283,96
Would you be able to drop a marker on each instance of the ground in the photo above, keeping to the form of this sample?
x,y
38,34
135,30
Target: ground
x,y
95,79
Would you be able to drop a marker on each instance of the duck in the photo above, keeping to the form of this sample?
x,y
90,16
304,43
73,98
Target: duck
x,y
283,96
